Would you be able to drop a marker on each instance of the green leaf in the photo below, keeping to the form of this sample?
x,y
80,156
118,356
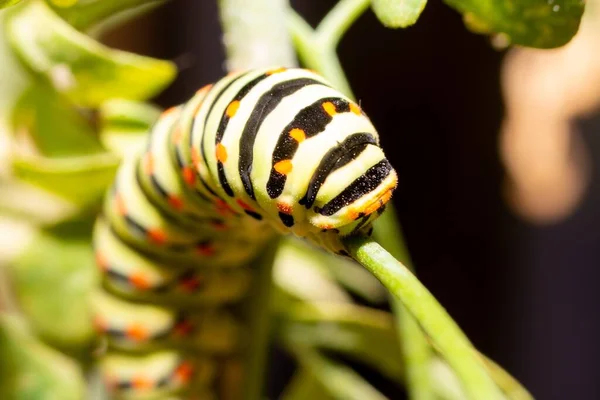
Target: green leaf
x,y
304,386
52,279
124,125
101,14
54,125
8,3
339,381
81,180
363,333
532,23
398,13
298,273
31,370
347,273
85,71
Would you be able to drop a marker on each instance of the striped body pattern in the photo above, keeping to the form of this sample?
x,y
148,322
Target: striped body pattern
x,y
258,153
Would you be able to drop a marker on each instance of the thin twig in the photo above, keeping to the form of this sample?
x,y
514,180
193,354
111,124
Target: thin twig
x,y
339,20
451,342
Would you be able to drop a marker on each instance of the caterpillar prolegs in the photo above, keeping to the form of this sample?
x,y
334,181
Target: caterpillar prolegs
x,y
258,153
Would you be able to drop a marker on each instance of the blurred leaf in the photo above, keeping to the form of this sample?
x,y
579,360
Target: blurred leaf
x,y
31,370
398,13
81,180
340,381
363,333
125,125
52,279
81,68
7,3
346,272
54,125
86,14
297,274
533,23
304,386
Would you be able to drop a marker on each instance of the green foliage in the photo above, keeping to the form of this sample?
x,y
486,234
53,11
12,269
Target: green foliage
x,y
30,369
339,381
80,179
398,13
101,14
533,23
52,280
362,333
85,71
124,125
8,3
50,121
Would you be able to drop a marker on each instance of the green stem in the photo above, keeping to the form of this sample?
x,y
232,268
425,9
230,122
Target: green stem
x,y
315,54
339,20
443,331
255,34
415,348
260,323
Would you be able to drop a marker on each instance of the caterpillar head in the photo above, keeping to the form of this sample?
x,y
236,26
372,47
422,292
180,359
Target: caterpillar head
x,y
355,194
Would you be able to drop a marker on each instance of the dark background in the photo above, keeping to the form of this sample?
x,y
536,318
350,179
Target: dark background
x,y
525,295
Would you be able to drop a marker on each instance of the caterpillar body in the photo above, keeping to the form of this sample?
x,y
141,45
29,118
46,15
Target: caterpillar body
x,y
258,153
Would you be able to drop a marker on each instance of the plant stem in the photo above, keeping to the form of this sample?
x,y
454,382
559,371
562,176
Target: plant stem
x,y
339,20
259,319
255,34
415,349
443,331
315,54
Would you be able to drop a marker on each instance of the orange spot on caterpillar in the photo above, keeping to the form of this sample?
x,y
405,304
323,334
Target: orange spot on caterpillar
x,y
244,205
298,135
190,284
284,208
139,281
205,249
380,202
175,202
99,324
111,383
352,214
136,332
183,328
284,167
188,175
184,372
101,261
219,225
276,71
221,153
203,89
232,108
157,236
168,111
176,135
120,205
148,164
355,108
141,383
196,157
329,108
223,208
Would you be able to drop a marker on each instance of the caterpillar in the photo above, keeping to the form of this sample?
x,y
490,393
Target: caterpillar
x,y
259,153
